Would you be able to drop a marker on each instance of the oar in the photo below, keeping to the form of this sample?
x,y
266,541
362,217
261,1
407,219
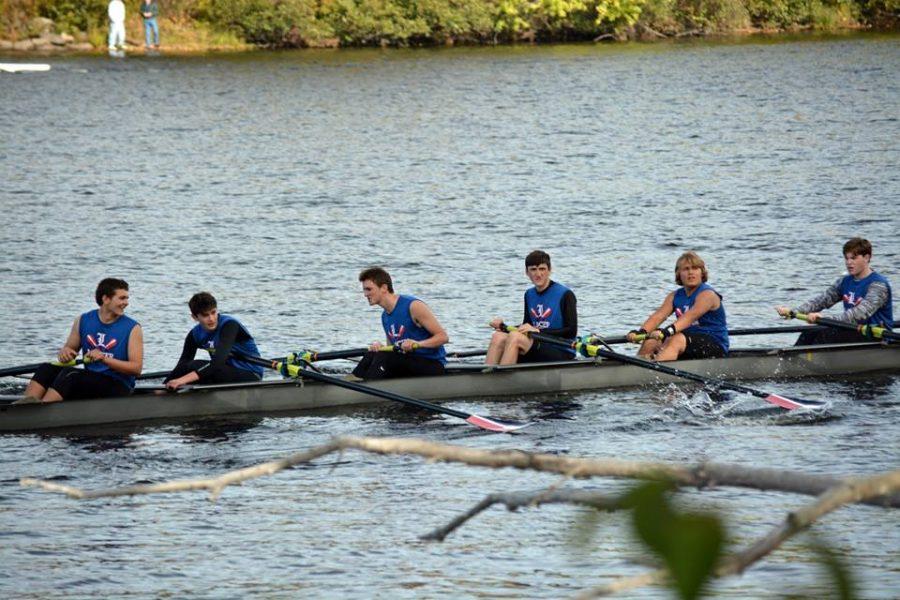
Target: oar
x,y
731,332
312,356
488,423
32,368
592,350
870,331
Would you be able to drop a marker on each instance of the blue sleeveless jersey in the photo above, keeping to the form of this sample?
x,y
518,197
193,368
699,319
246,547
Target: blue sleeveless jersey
x,y
853,292
713,323
208,340
544,309
111,338
399,325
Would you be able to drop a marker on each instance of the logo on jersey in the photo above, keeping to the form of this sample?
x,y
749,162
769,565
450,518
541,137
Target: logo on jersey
x,y
394,334
851,299
540,316
100,343
681,311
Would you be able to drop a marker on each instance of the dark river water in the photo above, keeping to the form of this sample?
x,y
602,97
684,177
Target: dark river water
x,y
272,179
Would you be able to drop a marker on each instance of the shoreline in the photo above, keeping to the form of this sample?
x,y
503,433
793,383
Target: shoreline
x,y
56,48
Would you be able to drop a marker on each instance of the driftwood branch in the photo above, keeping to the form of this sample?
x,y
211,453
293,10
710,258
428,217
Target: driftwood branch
x,y
847,492
703,475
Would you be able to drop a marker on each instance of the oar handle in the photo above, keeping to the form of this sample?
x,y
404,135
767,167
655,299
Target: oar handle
x,y
310,356
869,331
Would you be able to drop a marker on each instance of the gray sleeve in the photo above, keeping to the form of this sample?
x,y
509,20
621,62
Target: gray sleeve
x,y
876,297
826,299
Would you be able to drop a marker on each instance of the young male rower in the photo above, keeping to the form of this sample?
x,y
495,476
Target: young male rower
x,y
700,329
866,297
219,334
409,326
111,344
550,308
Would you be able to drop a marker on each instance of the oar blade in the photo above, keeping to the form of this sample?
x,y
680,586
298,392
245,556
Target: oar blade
x,y
793,403
496,425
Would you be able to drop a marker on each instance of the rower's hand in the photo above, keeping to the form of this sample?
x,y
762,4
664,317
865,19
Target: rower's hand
x,y
174,384
632,336
813,317
784,311
656,334
528,328
95,355
408,345
375,346
66,354
497,323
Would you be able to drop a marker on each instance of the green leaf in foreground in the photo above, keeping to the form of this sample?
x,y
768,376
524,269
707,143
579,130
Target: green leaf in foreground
x,y
690,544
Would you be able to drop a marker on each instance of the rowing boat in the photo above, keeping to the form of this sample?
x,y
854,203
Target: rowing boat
x,y
461,381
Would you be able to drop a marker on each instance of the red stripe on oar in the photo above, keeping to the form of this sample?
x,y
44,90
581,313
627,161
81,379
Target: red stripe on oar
x,y
488,424
783,402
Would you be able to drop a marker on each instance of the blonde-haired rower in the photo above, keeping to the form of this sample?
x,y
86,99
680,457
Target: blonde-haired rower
x,y
699,330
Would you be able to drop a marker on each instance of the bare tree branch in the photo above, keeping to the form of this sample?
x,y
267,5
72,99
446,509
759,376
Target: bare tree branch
x,y
516,500
702,475
847,492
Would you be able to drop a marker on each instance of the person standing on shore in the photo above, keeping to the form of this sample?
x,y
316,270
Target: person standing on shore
x,y
150,11
116,12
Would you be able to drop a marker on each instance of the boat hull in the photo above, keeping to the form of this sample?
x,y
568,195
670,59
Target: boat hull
x,y
461,381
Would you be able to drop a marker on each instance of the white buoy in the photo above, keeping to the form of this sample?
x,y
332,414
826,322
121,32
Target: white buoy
x,y
23,67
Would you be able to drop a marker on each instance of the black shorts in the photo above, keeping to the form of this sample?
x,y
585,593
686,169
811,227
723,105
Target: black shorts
x,y
77,384
700,345
225,374
384,365
543,352
830,336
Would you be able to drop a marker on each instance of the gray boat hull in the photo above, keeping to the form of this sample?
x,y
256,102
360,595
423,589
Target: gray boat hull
x,y
274,396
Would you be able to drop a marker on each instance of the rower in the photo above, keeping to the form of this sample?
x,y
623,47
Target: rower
x,y
111,344
219,334
866,297
699,330
410,327
550,308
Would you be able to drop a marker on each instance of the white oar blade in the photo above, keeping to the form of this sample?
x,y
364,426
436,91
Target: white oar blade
x,y
791,404
495,424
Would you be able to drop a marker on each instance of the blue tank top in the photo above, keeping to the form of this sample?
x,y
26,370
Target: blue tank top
x,y
713,323
544,309
853,292
110,338
399,325
208,340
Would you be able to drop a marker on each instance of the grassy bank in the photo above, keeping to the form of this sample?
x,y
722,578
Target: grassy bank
x,y
194,25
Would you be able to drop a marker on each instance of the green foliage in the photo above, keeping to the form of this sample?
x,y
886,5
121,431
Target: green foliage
x,y
689,544
266,22
787,14
883,14
403,22
712,15
842,579
72,15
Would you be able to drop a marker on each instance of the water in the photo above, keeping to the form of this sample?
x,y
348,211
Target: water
x,y
272,179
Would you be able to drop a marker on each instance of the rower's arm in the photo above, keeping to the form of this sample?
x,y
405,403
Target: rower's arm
x,y
73,343
423,317
188,350
659,316
876,296
706,301
826,299
135,363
